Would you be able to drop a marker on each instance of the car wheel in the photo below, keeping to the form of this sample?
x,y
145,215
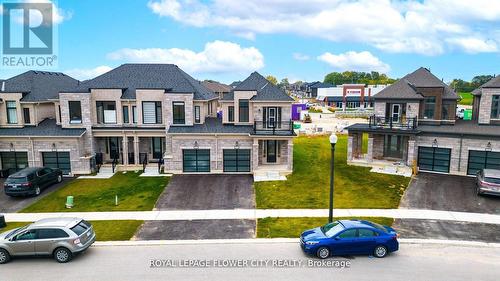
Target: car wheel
x,y
380,251
62,255
37,190
59,179
4,256
323,253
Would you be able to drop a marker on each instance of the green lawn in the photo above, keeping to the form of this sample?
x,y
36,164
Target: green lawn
x,y
105,230
98,195
292,227
466,98
308,186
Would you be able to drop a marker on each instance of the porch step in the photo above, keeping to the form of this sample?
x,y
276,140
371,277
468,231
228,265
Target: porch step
x,y
152,171
105,172
268,176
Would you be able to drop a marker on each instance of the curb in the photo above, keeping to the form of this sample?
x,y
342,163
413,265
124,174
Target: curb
x,y
281,240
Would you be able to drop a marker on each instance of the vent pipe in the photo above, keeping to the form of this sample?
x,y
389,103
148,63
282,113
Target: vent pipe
x,y
3,86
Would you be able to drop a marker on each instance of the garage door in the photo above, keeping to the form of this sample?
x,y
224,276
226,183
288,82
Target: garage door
x,y
482,159
434,159
196,160
13,161
59,160
236,160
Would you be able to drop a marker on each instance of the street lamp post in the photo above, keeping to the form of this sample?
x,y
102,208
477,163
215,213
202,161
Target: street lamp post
x,y
333,141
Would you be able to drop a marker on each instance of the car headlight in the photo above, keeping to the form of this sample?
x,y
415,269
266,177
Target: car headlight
x,y
312,242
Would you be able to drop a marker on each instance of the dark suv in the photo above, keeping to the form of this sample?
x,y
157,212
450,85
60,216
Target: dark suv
x,y
31,181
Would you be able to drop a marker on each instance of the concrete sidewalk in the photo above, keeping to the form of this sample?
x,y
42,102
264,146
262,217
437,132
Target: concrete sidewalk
x,y
262,213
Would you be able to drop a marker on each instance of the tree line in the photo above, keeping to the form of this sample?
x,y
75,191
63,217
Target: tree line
x,y
460,85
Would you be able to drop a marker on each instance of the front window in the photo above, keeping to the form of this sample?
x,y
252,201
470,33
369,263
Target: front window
x,y
75,112
26,115
134,114
243,111
495,107
151,112
230,114
429,107
11,112
178,111
331,229
106,112
197,114
125,114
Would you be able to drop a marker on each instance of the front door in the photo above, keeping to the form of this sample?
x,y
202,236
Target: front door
x,y
114,148
393,146
271,151
157,148
24,244
396,113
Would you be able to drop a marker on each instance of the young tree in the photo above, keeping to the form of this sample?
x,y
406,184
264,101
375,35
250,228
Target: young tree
x,y
272,79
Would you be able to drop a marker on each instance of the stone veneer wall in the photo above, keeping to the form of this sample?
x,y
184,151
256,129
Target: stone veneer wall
x,y
485,104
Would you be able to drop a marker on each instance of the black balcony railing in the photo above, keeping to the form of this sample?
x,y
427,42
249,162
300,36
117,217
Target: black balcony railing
x,y
273,127
401,123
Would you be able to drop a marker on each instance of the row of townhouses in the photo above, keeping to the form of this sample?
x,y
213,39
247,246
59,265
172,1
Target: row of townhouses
x,y
143,114
415,124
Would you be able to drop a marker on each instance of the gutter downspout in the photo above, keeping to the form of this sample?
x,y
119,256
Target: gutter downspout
x,y
460,152
216,152
32,151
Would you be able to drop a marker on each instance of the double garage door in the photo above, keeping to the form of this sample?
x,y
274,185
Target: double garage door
x,y
60,160
198,160
434,159
482,160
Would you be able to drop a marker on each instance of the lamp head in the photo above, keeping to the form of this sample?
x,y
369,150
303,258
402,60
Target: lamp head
x,y
333,138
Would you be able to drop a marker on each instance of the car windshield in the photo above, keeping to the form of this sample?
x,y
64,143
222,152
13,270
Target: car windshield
x,y
16,180
492,180
331,229
15,231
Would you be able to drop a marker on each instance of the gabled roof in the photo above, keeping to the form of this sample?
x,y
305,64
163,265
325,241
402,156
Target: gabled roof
x,y
38,85
216,87
234,84
407,87
130,77
266,91
492,83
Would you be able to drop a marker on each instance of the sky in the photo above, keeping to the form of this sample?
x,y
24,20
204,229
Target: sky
x,y
226,40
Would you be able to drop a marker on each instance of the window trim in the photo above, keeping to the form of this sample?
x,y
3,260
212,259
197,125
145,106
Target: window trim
x,y
426,103
158,113
134,114
75,121
230,113
178,120
102,116
197,114
495,105
245,113
125,114
9,108
26,113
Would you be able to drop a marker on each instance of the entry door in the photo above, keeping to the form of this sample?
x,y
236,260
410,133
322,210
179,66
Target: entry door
x,y
271,151
393,146
114,148
157,148
396,113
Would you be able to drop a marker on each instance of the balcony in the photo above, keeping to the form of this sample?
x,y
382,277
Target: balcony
x,y
393,123
273,128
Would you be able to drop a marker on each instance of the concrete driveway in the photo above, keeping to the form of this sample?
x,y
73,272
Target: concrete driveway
x,y
206,192
447,192
14,204
203,192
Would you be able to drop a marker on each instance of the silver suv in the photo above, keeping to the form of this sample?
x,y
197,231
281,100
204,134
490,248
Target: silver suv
x,y
61,238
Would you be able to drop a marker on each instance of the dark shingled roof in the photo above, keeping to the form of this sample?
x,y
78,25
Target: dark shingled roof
x,y
46,128
492,83
266,91
211,126
406,87
39,85
462,127
130,77
216,87
321,85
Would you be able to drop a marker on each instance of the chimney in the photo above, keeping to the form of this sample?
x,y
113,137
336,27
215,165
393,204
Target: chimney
x,y
3,86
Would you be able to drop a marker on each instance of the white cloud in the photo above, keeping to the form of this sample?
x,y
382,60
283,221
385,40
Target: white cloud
x,y
474,45
216,57
301,57
87,73
403,26
355,61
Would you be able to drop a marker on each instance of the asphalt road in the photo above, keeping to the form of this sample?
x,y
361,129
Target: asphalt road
x,y
14,204
412,262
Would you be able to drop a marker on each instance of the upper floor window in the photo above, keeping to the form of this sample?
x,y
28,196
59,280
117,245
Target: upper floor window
x,y
495,107
26,115
230,114
243,111
75,112
134,114
197,114
178,111
106,112
429,107
126,120
11,112
151,112
209,108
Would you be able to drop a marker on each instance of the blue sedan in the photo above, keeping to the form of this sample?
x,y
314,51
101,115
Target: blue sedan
x,y
349,237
